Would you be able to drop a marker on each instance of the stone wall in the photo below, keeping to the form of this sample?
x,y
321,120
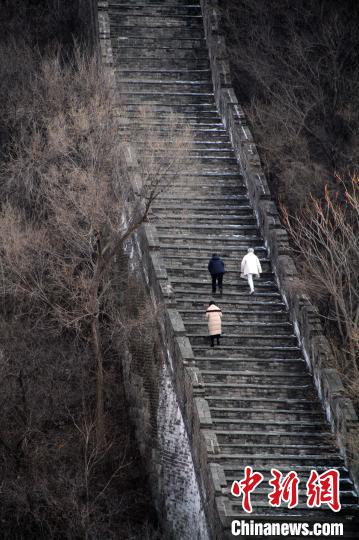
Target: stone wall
x,y
338,406
183,480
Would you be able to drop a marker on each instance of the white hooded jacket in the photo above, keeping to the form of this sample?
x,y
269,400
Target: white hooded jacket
x,y
250,265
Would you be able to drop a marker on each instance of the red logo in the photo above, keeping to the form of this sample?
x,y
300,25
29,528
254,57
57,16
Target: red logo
x,y
321,489
246,486
324,489
285,490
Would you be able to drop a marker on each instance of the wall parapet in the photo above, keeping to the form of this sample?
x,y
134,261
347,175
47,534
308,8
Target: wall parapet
x,y
339,408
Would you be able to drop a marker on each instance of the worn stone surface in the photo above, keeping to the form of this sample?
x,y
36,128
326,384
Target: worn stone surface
x,y
252,400
276,240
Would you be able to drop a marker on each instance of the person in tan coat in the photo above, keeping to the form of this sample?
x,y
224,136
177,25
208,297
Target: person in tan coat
x,y
214,317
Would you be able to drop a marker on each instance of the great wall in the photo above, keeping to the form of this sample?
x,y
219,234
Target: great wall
x,y
266,397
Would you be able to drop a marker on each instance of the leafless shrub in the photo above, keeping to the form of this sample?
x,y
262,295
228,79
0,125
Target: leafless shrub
x,y
295,74
326,236
70,202
70,175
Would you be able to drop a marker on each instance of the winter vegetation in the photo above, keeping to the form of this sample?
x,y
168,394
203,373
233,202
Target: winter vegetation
x,y
296,74
71,305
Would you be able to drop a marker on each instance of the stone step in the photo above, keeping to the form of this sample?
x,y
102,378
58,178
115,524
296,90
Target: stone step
x,y
201,112
200,272
239,316
156,11
155,18
193,228
248,350
209,174
191,99
221,210
187,220
246,339
157,83
301,404
197,182
193,190
194,164
225,205
202,142
199,277
202,294
171,40
200,259
156,27
141,117
132,60
242,328
188,169
188,201
266,414
200,263
234,472
166,122
272,431
276,460
260,390
234,252
170,75
161,51
252,364
205,156
229,377
230,286
213,243
301,449
224,303
174,123
200,134
200,280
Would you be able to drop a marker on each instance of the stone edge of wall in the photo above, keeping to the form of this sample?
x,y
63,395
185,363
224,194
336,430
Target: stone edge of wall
x,y
186,377
339,408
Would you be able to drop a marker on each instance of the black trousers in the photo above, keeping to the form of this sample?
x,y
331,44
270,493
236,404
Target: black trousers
x,y
212,339
217,278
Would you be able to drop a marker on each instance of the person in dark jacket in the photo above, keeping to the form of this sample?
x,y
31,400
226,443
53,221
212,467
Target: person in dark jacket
x,y
216,269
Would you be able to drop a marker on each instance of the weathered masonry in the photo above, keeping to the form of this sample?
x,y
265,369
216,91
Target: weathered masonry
x,y
265,397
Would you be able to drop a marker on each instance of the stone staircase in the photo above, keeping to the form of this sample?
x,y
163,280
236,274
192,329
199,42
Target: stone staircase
x,y
264,408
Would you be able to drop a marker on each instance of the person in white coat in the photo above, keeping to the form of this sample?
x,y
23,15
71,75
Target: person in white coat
x,y
250,267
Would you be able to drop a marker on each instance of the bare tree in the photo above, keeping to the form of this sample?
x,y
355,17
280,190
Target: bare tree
x,y
296,76
72,202
326,236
